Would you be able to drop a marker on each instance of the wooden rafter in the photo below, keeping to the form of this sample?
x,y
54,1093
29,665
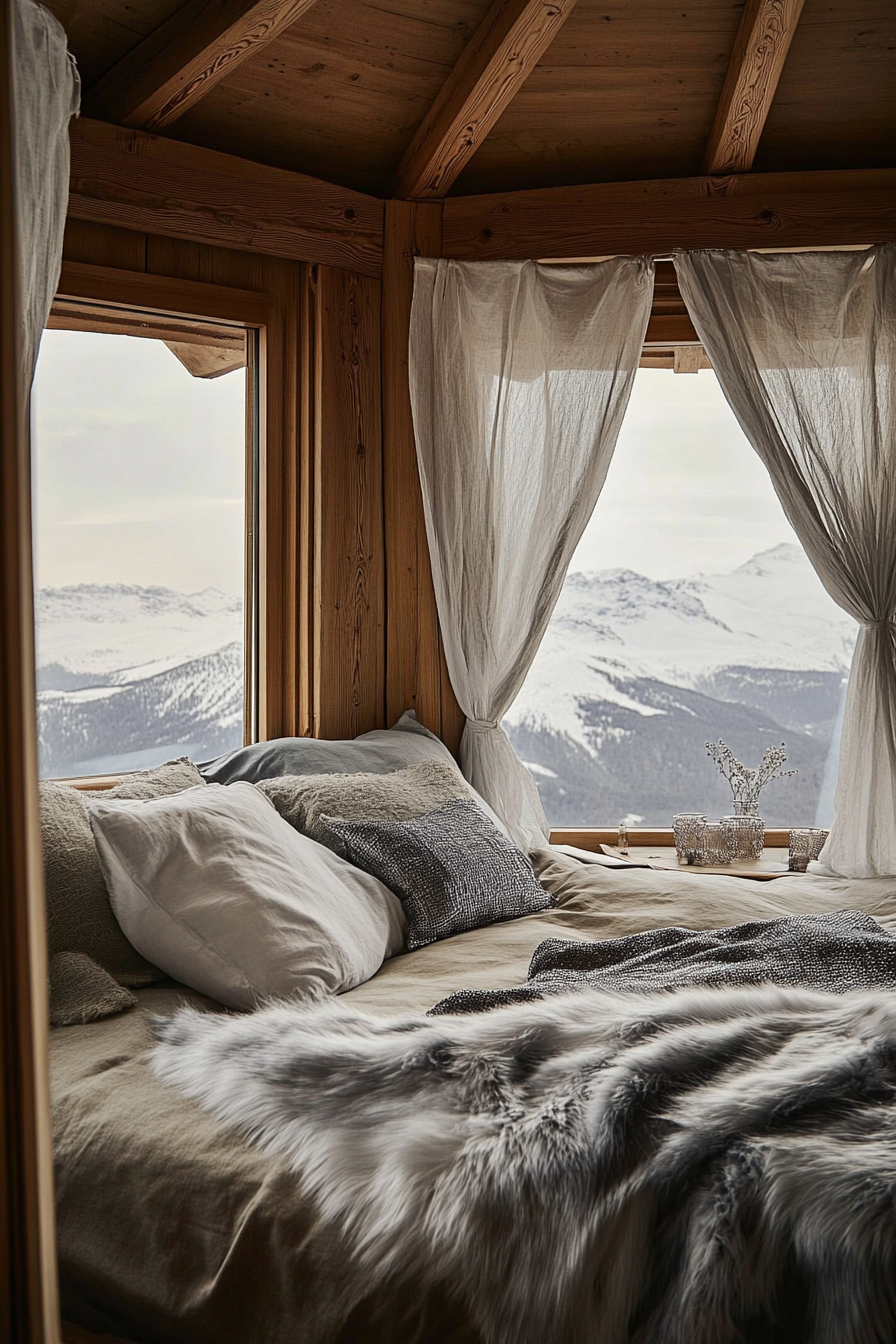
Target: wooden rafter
x,y
155,185
772,210
760,49
494,65
181,61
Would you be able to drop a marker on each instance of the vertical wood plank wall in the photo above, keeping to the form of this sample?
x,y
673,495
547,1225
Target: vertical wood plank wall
x,y
416,675
350,633
349,615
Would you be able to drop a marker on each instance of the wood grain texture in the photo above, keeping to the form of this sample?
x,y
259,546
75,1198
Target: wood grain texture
x,y
625,91
767,28
413,676
29,1311
142,182
341,93
749,210
182,60
349,626
496,63
835,105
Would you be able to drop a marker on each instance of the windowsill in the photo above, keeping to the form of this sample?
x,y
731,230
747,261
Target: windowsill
x,y
594,836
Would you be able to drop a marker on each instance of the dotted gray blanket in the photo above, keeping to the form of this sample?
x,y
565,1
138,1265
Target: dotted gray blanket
x,y
837,952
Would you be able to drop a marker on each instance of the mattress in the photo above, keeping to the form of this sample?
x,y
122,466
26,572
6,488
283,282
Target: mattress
x,y
174,1229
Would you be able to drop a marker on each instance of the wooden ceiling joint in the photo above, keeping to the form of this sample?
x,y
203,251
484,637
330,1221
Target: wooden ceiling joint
x,y
760,49
184,59
495,63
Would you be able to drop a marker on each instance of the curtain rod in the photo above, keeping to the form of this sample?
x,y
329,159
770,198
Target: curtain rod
x,y
657,256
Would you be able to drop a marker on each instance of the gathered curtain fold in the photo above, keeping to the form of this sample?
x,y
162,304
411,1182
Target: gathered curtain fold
x,y
46,95
520,374
804,347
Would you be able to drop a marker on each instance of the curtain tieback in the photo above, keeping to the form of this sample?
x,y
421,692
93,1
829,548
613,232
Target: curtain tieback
x,y
482,725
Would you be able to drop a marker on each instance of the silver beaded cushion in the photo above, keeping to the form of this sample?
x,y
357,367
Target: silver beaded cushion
x,y
451,868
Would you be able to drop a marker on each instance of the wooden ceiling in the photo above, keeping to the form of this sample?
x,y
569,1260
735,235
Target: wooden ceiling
x,y
423,98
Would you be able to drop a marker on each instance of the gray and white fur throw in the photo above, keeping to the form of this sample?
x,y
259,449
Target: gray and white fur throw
x,y
698,1167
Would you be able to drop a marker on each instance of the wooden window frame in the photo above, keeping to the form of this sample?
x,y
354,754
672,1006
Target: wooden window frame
x,y
88,293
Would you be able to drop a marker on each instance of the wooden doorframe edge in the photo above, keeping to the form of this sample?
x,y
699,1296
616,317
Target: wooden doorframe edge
x,y
28,1273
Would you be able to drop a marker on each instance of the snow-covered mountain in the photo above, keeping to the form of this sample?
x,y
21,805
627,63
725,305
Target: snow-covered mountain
x,y
634,676
129,676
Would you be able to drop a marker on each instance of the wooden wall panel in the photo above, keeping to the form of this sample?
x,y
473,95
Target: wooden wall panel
x,y
349,625
412,629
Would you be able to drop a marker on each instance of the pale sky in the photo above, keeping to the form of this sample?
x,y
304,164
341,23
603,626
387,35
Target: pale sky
x,y
139,474
138,467
685,491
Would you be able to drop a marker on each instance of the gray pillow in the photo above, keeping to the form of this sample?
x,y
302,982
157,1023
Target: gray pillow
x,y
302,800
81,991
450,867
379,752
79,916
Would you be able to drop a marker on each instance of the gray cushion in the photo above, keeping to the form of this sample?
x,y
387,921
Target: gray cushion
x,y
377,752
81,991
303,799
79,916
380,752
451,868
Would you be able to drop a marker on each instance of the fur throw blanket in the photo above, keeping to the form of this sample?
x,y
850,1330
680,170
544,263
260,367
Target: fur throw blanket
x,y
698,1167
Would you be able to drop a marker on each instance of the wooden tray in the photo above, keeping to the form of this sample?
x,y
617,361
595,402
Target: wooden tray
x,y
772,864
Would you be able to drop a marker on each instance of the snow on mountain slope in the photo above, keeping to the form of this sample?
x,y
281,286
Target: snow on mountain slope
x,y
129,676
771,613
92,631
634,675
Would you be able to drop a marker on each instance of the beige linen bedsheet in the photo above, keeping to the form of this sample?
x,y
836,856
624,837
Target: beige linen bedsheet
x,y
173,1229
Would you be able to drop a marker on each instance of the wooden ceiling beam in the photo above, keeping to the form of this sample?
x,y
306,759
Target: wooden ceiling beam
x,y
760,50
155,185
181,61
761,210
494,65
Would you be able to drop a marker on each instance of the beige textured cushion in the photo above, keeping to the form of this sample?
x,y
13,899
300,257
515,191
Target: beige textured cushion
x,y
79,916
81,991
303,800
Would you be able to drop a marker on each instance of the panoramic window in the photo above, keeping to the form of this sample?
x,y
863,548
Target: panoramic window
x,y
140,509
690,613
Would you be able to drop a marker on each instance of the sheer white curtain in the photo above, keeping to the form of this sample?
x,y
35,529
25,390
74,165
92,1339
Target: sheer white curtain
x,y
47,92
804,347
520,375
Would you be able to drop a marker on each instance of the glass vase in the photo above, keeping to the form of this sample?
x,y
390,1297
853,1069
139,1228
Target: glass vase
x,y
747,832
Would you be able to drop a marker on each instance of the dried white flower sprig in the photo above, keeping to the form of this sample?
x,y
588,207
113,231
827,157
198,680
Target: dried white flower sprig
x,y
747,784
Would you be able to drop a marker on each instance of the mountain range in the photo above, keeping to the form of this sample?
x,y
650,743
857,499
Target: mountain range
x,y
634,676
130,676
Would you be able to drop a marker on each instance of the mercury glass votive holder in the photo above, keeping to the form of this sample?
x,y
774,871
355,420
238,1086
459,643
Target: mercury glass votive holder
x,y
712,844
806,843
684,831
746,838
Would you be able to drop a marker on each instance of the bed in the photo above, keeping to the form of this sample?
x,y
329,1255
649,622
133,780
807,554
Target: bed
x,y
172,1227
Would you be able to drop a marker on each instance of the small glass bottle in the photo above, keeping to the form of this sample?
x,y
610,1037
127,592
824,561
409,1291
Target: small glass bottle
x,y
623,838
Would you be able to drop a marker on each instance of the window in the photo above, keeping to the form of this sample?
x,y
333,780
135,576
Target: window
x,y
140,524
690,612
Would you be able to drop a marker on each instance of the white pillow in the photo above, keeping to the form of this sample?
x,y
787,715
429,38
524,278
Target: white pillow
x,y
215,889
